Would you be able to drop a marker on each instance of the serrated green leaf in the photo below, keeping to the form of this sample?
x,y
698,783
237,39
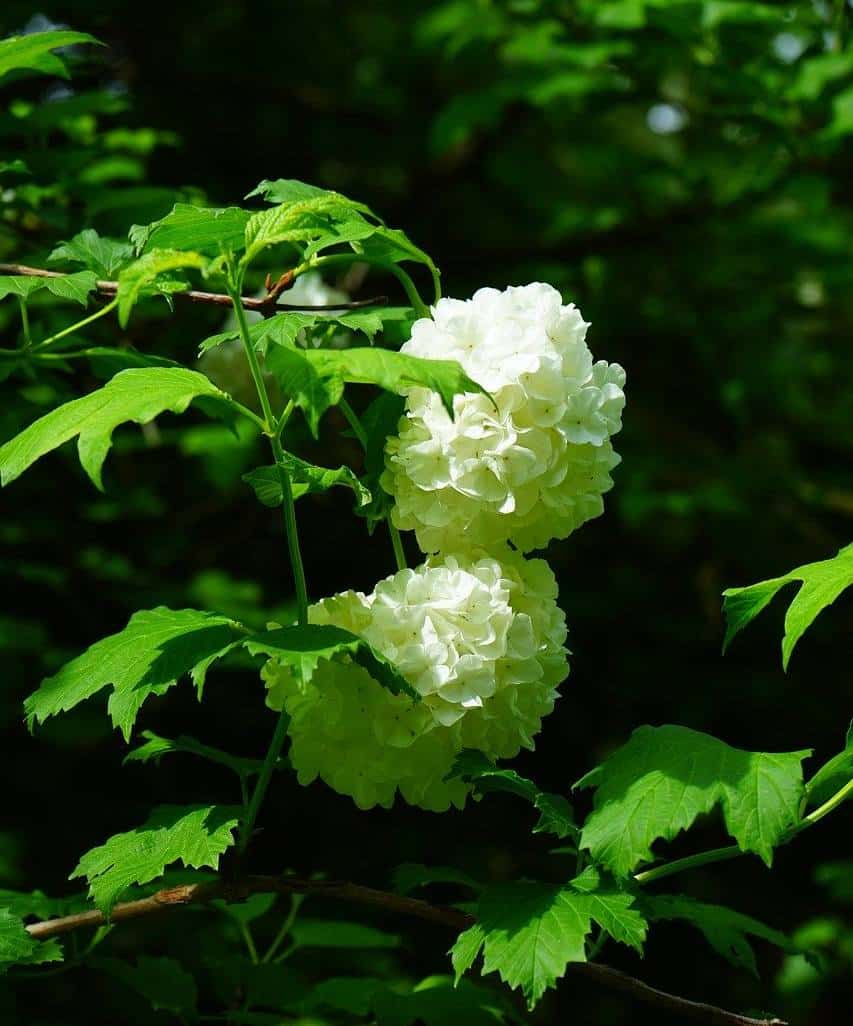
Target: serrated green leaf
x,y
136,395
195,835
33,52
75,287
556,814
312,218
531,931
163,982
410,876
208,230
834,774
315,378
155,747
822,583
465,949
145,276
306,479
286,190
155,649
656,785
302,648
17,947
104,256
724,929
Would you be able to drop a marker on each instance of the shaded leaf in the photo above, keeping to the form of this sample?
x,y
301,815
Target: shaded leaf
x,y
834,774
17,947
302,648
163,982
411,875
104,256
155,747
306,479
724,929
557,816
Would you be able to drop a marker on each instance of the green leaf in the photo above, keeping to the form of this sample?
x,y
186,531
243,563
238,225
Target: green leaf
x,y
332,933
208,230
302,648
822,583
531,931
105,257
724,929
163,982
195,835
141,277
557,816
834,774
155,649
75,287
33,52
306,479
155,747
17,947
286,190
315,378
136,395
436,1002
108,361
380,419
314,218
465,949
410,876
664,777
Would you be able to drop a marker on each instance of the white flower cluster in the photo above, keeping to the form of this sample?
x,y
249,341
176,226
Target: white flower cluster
x,y
476,629
481,641
527,468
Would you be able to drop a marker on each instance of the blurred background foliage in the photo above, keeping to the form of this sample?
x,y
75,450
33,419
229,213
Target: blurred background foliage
x,y
680,170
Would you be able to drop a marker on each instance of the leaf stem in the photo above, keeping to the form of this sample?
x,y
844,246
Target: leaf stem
x,y
272,429
330,260
295,901
246,934
732,851
260,790
25,321
76,326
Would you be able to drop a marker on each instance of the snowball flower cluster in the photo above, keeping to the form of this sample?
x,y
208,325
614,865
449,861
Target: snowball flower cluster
x,y
533,465
479,638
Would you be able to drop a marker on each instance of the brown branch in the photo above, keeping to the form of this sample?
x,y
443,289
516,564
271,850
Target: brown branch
x,y
190,894
267,305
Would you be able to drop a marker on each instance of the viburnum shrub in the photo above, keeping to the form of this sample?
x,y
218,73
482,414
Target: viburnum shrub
x,y
490,435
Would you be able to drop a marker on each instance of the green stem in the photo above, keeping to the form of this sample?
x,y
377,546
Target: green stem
x,y
272,429
76,326
295,901
332,259
732,851
361,435
827,807
250,943
25,321
703,858
263,782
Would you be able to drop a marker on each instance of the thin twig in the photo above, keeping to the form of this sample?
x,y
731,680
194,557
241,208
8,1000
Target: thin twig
x,y
265,304
189,894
